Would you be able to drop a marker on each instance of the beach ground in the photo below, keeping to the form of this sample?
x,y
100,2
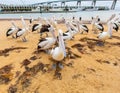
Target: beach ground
x,y
90,69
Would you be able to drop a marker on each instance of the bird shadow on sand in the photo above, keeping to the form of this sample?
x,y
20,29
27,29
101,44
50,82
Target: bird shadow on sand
x,y
6,51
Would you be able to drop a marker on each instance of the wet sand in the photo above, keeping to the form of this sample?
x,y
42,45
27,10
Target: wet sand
x,y
89,69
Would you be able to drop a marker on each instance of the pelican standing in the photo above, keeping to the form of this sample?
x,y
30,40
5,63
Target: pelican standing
x,y
36,27
59,52
22,32
12,30
47,43
96,25
105,35
72,31
31,20
83,27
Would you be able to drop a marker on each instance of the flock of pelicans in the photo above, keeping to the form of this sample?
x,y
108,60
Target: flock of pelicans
x,y
74,27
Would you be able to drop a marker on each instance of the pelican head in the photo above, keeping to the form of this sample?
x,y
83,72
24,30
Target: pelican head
x,y
73,18
80,18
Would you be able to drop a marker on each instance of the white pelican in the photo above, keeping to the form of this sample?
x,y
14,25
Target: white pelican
x,y
22,32
115,22
47,43
58,53
83,27
36,27
96,24
12,30
68,35
105,35
31,20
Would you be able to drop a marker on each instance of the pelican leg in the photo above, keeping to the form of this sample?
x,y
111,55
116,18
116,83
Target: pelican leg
x,y
40,35
24,39
47,51
13,36
72,38
38,31
81,32
95,31
60,65
54,66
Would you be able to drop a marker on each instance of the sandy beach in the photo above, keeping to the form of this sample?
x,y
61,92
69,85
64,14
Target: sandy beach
x,y
90,69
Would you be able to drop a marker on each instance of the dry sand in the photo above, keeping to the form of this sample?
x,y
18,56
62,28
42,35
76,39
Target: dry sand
x,y
97,70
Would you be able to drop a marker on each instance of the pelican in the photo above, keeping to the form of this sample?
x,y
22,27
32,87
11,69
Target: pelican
x,y
108,34
12,30
73,21
47,43
83,27
22,32
58,53
44,28
37,26
69,34
31,20
115,21
96,24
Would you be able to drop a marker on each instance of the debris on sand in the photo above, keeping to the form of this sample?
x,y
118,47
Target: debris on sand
x,y
6,51
79,47
76,76
91,69
25,62
24,80
33,58
12,89
102,61
70,64
5,74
